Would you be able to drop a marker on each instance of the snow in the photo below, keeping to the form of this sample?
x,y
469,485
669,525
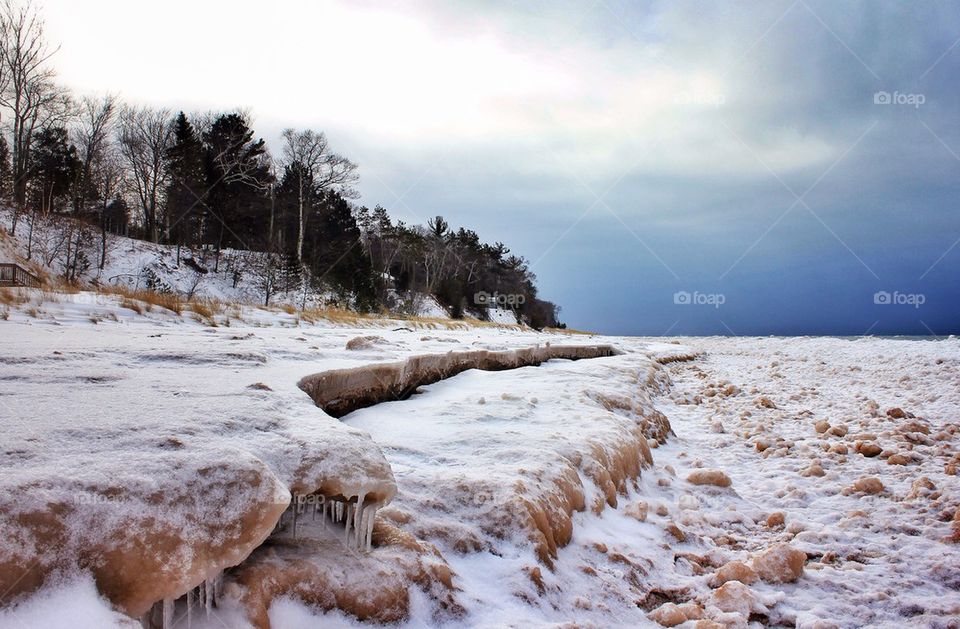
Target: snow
x,y
75,604
502,315
232,276
94,410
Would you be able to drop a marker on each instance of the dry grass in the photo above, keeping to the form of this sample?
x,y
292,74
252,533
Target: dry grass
x,y
201,309
206,311
132,304
61,286
569,331
11,297
149,298
333,315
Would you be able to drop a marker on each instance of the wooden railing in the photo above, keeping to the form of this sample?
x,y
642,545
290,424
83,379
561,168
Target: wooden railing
x,y
16,275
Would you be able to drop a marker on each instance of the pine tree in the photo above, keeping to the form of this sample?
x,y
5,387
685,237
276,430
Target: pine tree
x,y
54,166
185,192
238,176
334,251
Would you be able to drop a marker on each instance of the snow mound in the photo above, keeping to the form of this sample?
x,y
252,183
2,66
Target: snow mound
x,y
155,485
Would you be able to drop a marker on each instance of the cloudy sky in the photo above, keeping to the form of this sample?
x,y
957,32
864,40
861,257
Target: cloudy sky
x,y
769,167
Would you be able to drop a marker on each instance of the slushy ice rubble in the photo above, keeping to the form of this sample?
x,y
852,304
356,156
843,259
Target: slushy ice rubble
x,y
173,474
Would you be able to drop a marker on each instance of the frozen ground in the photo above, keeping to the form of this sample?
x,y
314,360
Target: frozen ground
x,y
88,407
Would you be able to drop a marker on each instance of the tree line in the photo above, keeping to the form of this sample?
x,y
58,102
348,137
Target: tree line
x,y
206,181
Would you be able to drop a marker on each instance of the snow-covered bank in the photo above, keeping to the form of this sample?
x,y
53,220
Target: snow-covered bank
x,y
129,431
200,273
538,496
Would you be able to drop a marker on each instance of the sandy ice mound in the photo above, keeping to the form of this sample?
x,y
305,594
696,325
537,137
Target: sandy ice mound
x,y
151,464
504,471
177,473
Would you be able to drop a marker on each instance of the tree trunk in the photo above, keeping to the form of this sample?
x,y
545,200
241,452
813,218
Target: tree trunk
x,y
216,263
303,225
270,233
33,219
103,236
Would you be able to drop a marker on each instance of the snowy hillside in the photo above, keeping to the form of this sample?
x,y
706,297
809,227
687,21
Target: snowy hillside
x,y
230,276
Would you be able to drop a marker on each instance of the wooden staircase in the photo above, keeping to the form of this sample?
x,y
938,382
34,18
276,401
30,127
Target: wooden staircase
x,y
16,275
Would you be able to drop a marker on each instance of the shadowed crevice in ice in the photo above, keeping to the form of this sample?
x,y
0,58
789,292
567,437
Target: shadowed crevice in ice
x,y
342,391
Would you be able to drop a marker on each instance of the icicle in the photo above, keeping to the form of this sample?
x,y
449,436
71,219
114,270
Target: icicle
x,y
151,618
373,513
191,601
168,607
346,528
208,595
358,516
357,525
361,528
294,516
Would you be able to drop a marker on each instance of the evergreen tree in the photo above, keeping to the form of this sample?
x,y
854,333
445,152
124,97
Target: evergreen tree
x,y
237,172
185,192
334,252
54,166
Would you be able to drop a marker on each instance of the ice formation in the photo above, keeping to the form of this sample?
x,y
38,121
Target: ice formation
x,y
341,391
175,470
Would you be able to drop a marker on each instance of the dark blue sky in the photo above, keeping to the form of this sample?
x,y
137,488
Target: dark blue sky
x,y
800,110
797,161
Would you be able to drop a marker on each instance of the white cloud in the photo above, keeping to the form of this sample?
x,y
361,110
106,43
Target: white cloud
x,y
414,75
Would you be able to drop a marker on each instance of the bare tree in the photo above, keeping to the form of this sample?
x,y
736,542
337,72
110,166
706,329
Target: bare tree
x,y
91,136
145,134
108,179
319,170
27,88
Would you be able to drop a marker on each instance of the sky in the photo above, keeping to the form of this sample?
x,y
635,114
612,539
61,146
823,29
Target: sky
x,y
744,168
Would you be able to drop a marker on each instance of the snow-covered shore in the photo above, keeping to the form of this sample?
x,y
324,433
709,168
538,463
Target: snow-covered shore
x,y
514,498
